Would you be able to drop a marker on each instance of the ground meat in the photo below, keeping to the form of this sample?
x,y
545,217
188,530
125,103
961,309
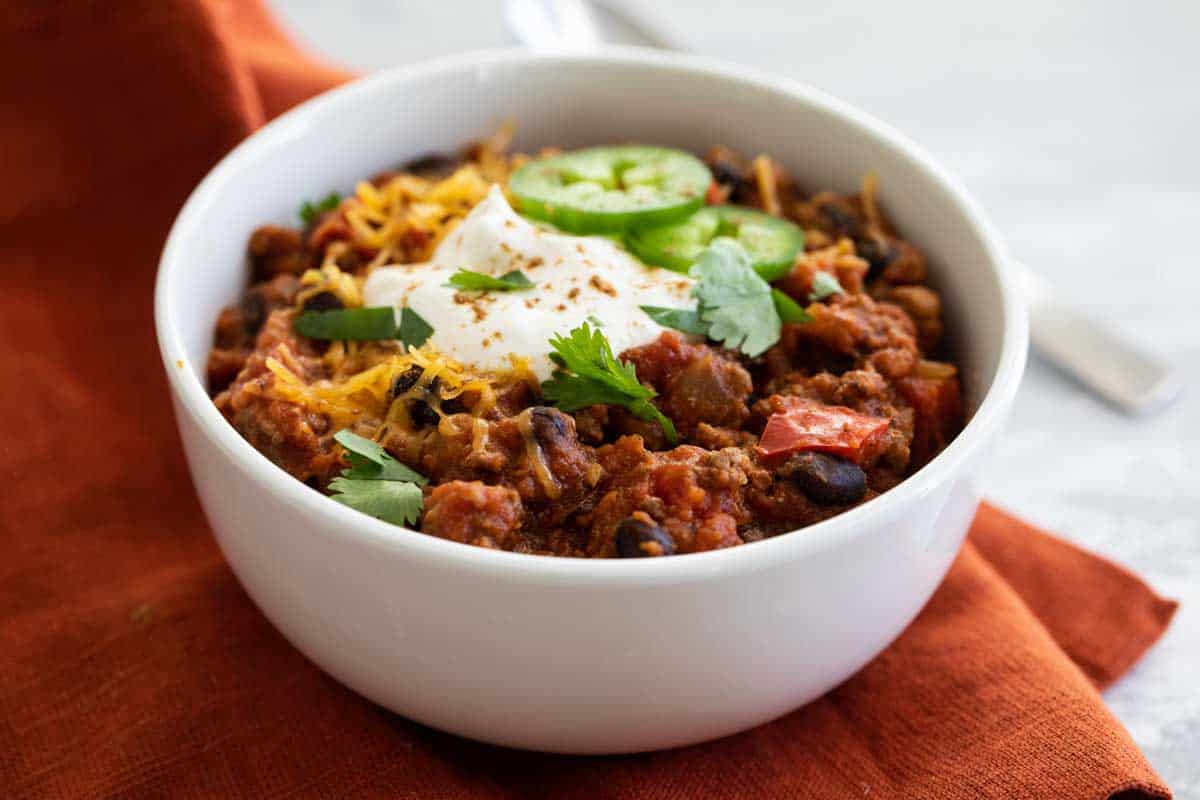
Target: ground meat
x,y
782,506
922,304
838,260
239,324
537,453
877,334
695,495
474,513
696,383
906,264
298,440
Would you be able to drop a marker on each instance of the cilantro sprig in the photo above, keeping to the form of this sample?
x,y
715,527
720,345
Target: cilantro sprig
x,y
734,305
824,285
589,374
365,324
479,282
377,484
681,319
309,211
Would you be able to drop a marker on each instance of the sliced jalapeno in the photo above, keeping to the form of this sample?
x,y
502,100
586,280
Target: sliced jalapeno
x,y
611,189
771,242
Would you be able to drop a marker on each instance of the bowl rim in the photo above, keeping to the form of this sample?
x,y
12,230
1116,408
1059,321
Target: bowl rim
x,y
338,520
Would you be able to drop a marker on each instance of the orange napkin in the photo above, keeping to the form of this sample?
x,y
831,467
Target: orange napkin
x,y
133,665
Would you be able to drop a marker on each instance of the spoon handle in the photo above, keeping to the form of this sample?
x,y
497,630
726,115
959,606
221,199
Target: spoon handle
x,y
1092,353
1096,356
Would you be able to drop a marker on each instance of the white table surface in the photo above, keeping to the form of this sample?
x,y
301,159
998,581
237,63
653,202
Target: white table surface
x,y
1077,125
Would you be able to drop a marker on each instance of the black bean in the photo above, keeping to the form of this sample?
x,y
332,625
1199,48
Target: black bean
x,y
419,410
638,538
728,173
549,426
431,165
422,414
323,301
407,380
826,479
877,254
454,405
254,311
841,221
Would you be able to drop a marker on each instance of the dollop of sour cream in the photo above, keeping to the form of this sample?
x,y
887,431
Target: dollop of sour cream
x,y
576,277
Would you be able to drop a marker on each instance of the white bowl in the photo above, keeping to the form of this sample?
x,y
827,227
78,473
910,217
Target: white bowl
x,y
574,655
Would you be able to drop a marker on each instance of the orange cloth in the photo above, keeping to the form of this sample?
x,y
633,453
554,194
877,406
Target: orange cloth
x,y
133,665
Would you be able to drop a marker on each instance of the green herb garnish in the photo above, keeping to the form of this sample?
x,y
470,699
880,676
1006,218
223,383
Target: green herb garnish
x,y
824,285
365,324
589,374
413,330
377,484
788,309
734,301
735,306
681,319
478,282
349,324
309,211
369,461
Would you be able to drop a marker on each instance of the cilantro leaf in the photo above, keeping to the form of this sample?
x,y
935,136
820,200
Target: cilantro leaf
x,y
397,502
589,374
479,282
413,330
735,302
788,309
369,461
824,285
681,319
309,211
377,484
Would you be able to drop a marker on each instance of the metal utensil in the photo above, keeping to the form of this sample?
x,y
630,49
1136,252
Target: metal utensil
x,y
1092,353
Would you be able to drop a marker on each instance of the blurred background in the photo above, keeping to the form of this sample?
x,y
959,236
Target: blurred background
x,y
1076,125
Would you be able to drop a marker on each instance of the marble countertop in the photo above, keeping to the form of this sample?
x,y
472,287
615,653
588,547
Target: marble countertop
x,y
1076,125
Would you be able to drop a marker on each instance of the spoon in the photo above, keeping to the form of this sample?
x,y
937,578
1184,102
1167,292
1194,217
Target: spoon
x,y
1092,353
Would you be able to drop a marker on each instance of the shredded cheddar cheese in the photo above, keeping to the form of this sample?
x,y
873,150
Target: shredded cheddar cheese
x,y
359,392
329,278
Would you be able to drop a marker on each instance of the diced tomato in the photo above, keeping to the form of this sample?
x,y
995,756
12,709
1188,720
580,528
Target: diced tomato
x,y
329,227
805,425
716,194
937,414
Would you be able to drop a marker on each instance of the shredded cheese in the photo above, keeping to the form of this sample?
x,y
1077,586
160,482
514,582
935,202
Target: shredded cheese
x,y
365,395
408,215
768,192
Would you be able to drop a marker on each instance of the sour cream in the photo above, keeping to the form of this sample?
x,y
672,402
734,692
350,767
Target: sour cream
x,y
576,277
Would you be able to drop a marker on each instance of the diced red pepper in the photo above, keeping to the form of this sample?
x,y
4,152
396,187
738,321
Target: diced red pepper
x,y
805,425
937,414
716,194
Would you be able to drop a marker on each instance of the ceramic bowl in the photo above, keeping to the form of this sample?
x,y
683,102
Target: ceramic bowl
x,y
574,655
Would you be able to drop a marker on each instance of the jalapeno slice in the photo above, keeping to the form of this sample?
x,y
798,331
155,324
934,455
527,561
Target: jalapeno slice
x,y
771,242
611,189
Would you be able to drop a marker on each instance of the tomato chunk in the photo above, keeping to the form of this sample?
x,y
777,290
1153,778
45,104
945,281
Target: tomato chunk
x,y
805,425
938,414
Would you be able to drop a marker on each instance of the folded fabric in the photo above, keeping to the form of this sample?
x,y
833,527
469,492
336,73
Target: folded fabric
x,y
133,664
